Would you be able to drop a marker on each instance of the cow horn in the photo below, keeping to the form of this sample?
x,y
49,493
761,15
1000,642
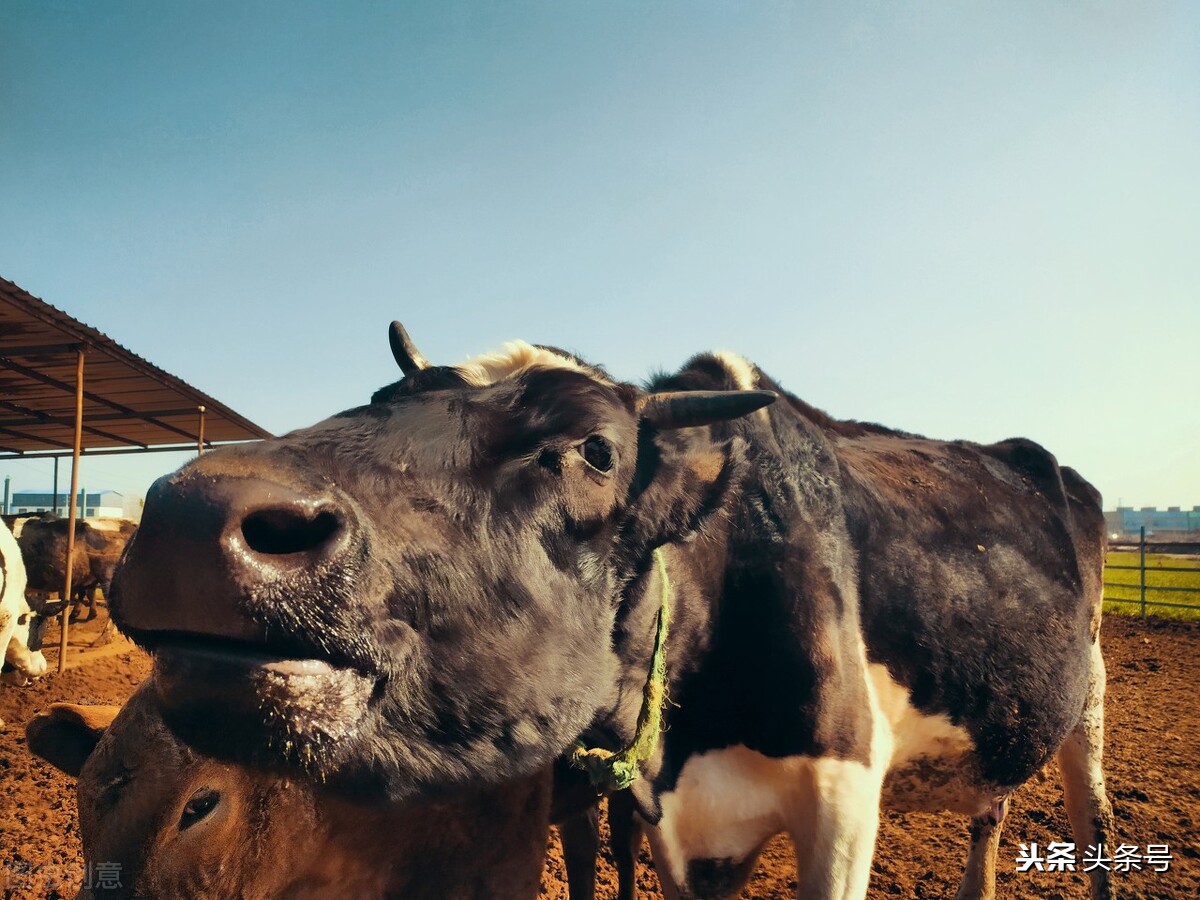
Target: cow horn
x,y
686,409
408,357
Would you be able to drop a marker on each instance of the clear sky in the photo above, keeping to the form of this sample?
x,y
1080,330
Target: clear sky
x,y
971,220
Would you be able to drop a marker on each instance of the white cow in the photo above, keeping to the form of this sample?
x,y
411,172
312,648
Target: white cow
x,y
15,615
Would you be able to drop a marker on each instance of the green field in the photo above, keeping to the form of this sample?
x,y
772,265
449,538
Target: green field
x,y
1155,578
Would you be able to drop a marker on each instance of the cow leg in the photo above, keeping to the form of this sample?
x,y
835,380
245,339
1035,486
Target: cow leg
x,y
979,879
1080,759
77,600
625,832
581,844
660,853
834,829
87,597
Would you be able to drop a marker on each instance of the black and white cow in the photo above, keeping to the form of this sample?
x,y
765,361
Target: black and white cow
x,y
451,585
20,632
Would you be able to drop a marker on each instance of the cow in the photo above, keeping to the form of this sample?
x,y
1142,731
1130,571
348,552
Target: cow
x,y
164,822
461,580
19,636
99,543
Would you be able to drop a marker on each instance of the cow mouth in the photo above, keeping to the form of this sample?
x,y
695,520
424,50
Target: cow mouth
x,y
222,694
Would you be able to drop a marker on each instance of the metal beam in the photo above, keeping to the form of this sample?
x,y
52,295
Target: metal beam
x,y
43,350
94,417
66,610
117,451
66,331
32,437
95,398
41,418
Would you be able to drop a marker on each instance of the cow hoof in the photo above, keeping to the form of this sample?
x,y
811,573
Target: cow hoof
x,y
15,678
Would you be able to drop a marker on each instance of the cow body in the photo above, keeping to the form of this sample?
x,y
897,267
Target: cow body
x,y
893,617
857,615
99,543
22,662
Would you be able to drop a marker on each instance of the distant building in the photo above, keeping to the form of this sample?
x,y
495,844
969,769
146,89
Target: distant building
x,y
99,503
1126,520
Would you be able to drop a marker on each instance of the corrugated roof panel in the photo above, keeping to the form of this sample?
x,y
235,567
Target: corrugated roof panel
x,y
128,402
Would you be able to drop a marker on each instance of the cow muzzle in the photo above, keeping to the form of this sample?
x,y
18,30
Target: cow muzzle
x,y
213,553
236,582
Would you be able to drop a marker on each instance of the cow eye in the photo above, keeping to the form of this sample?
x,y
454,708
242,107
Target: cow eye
x,y
597,453
22,618
202,802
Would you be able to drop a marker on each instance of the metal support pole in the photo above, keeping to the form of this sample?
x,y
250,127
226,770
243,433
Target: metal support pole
x,y
200,432
66,610
1142,564
54,507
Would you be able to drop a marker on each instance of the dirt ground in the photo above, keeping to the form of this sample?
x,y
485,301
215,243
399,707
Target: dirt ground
x,y
1152,764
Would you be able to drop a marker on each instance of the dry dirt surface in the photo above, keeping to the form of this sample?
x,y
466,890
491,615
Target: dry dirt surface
x,y
1152,764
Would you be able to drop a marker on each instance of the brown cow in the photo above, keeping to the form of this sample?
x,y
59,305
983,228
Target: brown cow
x,y
168,823
99,543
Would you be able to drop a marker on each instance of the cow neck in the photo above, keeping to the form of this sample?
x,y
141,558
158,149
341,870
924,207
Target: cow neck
x,y
617,771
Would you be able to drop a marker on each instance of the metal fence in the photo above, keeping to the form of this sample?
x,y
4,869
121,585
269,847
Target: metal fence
x,y
1144,584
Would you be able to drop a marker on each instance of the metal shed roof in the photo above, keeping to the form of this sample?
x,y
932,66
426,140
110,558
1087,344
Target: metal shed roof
x,y
129,404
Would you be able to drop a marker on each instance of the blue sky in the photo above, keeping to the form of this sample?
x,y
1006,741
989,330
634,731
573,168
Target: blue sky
x,y
968,220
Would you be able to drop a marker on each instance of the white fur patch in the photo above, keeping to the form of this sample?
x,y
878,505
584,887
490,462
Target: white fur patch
x,y
914,733
1081,755
727,802
106,523
741,370
932,765
514,358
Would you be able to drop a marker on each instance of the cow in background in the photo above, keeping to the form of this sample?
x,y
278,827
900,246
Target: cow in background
x,y
23,659
99,543
178,824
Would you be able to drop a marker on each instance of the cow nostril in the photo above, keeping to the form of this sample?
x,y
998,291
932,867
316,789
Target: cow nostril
x,y
281,531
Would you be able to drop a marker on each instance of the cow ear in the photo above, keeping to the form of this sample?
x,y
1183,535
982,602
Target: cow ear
x,y
677,489
66,734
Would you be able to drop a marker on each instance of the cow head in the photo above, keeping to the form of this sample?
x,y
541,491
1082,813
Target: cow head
x,y
159,821
162,821
419,592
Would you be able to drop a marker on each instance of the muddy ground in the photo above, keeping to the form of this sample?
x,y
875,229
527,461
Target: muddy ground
x,y
1153,769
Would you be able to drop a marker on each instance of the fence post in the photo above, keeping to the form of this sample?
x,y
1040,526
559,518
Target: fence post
x,y
1142,568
